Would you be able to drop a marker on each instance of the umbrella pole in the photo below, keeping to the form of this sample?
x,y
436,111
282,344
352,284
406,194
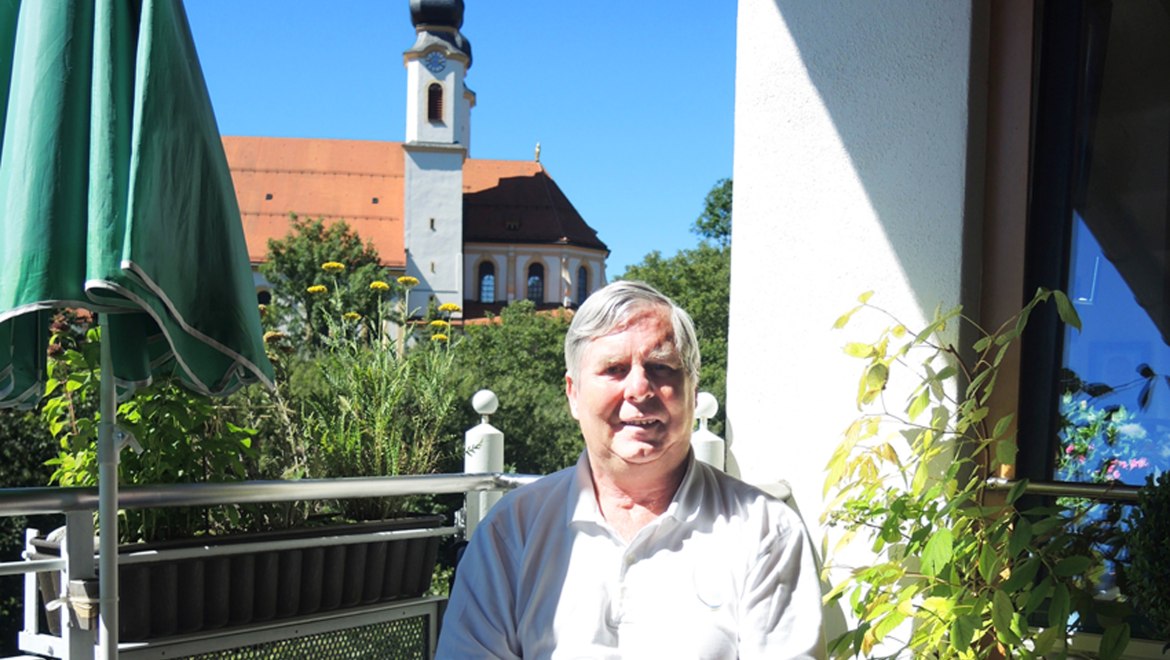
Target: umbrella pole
x,y
107,504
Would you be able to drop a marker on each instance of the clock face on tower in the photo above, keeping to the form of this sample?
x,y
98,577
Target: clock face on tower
x,y
434,61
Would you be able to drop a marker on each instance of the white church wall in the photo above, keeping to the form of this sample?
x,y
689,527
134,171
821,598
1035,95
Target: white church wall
x,y
456,114
554,260
463,121
849,168
433,204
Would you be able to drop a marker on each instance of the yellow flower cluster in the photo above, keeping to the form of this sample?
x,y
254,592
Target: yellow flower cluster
x,y
439,323
449,307
272,336
351,316
408,281
333,267
379,285
318,288
439,337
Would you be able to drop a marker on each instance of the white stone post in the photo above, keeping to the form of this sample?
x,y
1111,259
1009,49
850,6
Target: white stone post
x,y
484,453
709,448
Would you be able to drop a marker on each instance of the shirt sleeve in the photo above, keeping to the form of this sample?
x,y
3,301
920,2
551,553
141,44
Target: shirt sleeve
x,y
480,621
781,610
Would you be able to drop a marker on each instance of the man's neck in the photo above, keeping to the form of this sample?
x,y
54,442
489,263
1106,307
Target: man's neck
x,y
632,498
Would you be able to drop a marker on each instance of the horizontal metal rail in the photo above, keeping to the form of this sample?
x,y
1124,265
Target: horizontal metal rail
x,y
31,566
213,550
220,550
1101,492
36,501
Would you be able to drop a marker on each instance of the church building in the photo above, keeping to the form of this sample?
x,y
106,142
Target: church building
x,y
477,233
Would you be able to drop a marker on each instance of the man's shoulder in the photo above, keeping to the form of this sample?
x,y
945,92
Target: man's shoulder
x,y
540,499
734,493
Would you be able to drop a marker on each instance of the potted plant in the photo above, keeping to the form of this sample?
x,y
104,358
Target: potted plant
x,y
960,571
372,414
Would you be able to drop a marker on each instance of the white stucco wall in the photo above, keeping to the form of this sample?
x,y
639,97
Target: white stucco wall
x,y
850,170
455,126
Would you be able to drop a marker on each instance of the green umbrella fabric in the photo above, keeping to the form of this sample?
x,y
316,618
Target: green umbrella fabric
x,y
117,197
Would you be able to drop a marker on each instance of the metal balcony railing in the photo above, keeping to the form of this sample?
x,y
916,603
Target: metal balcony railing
x,y
1100,492
78,505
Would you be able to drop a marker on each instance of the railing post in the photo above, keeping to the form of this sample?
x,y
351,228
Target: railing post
x,y
32,617
77,551
484,453
709,448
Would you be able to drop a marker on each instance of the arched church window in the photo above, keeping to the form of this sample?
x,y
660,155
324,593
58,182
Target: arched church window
x,y
435,102
582,284
487,282
536,283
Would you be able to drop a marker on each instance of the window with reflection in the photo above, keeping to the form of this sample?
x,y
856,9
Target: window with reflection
x,y
487,282
1103,141
536,283
582,284
1095,404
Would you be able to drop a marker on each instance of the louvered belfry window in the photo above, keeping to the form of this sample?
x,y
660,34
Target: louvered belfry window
x,y
435,102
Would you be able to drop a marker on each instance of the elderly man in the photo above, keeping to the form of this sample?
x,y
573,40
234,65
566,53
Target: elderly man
x,y
639,551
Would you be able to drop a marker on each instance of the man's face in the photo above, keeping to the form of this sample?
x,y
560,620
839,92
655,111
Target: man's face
x,y
631,394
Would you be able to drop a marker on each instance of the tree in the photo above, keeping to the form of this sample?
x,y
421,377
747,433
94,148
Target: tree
x,y
295,264
699,280
520,357
714,224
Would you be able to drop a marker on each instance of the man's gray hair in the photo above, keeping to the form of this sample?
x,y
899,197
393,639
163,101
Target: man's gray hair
x,y
610,308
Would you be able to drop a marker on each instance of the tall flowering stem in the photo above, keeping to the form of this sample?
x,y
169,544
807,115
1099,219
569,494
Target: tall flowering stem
x,y
406,282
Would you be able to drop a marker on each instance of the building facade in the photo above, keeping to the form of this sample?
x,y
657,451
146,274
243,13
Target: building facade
x,y
942,154
476,233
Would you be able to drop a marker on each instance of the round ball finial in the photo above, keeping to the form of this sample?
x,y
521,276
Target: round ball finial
x,y
706,406
485,402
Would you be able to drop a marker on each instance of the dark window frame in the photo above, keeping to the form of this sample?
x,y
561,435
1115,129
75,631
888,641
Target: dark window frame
x,y
485,271
435,103
535,289
1071,31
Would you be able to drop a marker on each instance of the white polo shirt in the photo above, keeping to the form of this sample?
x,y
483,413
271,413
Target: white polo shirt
x,y
725,572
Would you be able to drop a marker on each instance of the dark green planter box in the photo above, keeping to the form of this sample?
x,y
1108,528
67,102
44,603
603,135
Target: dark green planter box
x,y
183,596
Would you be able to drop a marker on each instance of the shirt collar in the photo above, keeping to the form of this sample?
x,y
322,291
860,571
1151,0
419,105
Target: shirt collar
x,y
683,507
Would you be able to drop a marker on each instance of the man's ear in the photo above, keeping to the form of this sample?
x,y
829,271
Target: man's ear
x,y
571,395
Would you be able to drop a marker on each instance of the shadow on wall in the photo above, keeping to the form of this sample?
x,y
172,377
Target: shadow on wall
x,y
901,114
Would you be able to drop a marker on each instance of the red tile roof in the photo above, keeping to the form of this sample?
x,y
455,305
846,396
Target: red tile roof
x,y
331,179
361,182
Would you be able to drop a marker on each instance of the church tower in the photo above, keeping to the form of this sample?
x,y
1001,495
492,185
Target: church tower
x,y
438,131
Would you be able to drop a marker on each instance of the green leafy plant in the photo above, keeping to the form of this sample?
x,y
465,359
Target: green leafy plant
x,y
378,409
185,438
960,571
1149,570
519,355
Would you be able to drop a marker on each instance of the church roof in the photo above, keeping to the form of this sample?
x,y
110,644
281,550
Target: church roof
x,y
516,201
356,181
361,182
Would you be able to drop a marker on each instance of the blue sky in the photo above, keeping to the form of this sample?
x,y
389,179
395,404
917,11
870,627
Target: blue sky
x,y
632,102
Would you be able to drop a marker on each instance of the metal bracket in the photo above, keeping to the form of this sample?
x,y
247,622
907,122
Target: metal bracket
x,y
122,437
81,596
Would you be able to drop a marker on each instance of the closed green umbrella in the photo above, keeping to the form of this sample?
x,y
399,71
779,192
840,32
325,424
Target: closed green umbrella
x,y
116,197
